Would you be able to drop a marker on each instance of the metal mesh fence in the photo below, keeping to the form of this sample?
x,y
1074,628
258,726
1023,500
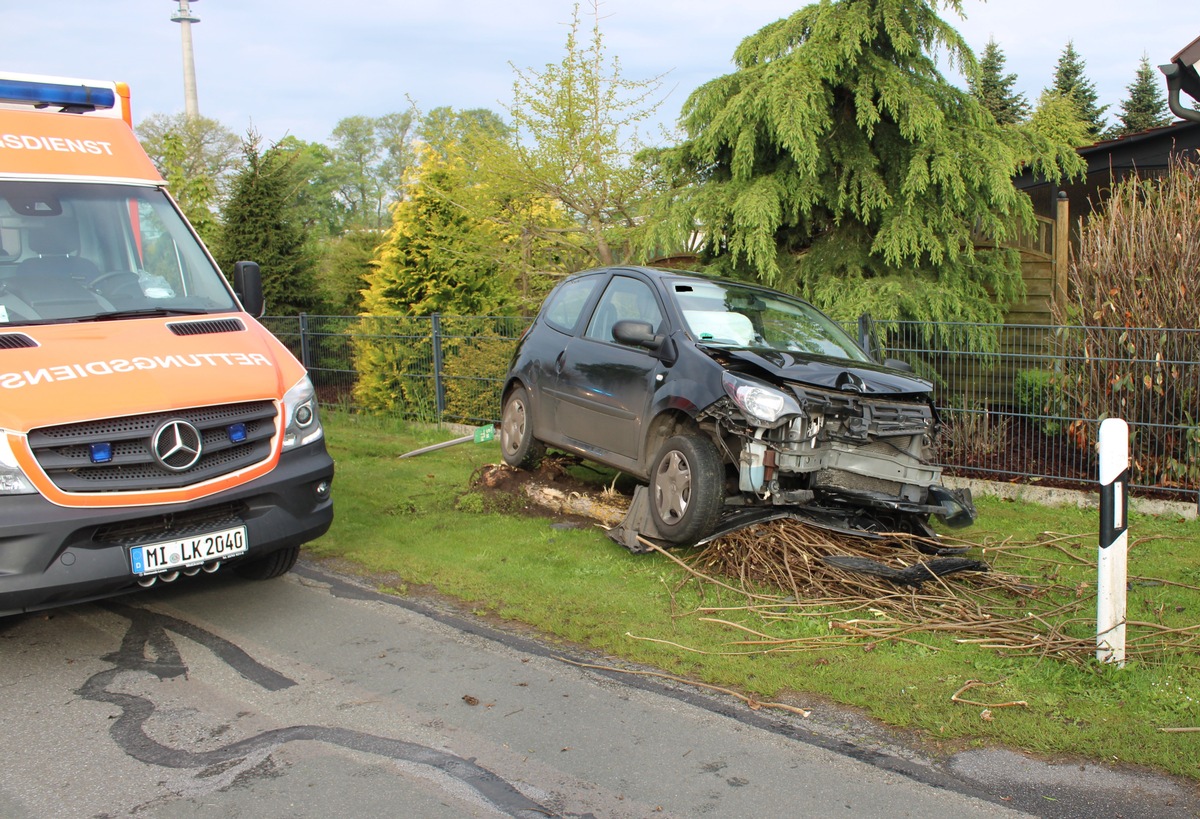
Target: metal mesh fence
x,y
427,368
1026,409
1029,409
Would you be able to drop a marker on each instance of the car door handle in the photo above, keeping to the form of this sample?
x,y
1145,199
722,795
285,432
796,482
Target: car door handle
x,y
558,362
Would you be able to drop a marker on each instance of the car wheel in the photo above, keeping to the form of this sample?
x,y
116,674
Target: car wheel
x,y
517,444
264,568
686,485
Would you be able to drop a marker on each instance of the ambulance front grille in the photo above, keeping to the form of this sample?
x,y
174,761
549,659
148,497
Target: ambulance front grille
x,y
172,525
119,454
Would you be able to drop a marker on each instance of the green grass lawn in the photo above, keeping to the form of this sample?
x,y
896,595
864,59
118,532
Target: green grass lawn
x,y
417,522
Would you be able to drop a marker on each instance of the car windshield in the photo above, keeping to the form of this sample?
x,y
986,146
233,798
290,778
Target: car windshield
x,y
72,251
720,313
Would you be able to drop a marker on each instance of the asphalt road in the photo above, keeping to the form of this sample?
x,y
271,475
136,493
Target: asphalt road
x,y
311,695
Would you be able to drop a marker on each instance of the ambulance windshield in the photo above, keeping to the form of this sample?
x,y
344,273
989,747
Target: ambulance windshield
x,y
72,251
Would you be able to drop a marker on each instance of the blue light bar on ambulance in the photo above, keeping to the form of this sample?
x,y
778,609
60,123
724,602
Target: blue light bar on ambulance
x,y
74,98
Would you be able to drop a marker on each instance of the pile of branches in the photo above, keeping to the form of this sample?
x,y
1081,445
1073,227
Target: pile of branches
x,y
1009,596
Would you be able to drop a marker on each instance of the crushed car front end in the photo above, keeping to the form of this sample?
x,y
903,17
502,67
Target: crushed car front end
x,y
863,459
806,418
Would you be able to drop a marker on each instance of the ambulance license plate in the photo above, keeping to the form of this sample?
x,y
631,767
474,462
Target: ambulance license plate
x,y
189,551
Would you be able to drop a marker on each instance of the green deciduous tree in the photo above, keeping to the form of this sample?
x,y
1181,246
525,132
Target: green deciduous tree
x,y
370,157
465,133
317,205
838,162
576,123
994,88
1070,80
1146,105
196,155
261,222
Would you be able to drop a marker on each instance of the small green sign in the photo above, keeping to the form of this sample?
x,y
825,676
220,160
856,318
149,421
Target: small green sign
x,y
483,434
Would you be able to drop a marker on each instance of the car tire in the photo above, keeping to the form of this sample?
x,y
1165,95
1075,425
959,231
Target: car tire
x,y
686,487
264,568
518,447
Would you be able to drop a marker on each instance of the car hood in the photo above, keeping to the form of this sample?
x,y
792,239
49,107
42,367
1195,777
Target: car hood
x,y
831,373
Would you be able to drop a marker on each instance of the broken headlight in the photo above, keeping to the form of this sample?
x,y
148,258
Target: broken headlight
x,y
763,405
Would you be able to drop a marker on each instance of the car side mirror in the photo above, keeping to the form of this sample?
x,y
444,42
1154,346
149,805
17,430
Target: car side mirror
x,y
636,334
247,284
897,364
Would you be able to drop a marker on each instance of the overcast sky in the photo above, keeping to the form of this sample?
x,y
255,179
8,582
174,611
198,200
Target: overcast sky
x,y
298,66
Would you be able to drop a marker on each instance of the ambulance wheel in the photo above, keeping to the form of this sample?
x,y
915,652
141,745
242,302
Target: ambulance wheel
x,y
273,565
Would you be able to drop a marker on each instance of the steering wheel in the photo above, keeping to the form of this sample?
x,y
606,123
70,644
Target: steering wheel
x,y
117,283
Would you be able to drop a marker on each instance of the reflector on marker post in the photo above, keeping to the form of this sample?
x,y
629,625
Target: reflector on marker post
x,y
1111,567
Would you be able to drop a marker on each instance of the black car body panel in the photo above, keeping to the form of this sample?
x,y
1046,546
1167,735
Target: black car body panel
x,y
821,371
623,361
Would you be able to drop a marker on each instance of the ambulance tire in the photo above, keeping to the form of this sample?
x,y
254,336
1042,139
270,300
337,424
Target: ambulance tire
x,y
265,568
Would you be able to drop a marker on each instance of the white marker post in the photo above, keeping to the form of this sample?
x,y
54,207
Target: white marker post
x,y
1114,542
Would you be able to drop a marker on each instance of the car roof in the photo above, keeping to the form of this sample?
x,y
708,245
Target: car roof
x,y
663,274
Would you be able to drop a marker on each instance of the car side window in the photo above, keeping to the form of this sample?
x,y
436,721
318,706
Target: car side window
x,y
624,298
567,301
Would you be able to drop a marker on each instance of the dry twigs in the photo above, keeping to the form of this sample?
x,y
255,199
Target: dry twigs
x,y
955,697
777,573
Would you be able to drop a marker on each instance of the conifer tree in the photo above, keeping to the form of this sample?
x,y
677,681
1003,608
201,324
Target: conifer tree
x,y
1145,106
994,88
837,161
1070,80
261,223
1057,119
433,259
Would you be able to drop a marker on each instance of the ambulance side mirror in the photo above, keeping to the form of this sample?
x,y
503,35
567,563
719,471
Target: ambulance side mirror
x,y
247,284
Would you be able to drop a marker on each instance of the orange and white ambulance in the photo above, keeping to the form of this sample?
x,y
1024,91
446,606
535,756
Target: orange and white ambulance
x,y
149,425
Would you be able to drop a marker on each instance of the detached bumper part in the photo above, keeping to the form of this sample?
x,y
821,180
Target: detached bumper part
x,y
637,525
959,508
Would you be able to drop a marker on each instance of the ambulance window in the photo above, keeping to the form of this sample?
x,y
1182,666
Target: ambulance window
x,y
10,244
160,255
78,251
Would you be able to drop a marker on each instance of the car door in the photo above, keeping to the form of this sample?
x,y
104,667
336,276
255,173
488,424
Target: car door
x,y
604,387
541,351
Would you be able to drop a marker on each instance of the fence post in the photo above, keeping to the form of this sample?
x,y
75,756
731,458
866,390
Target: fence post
x,y
1111,567
304,356
1062,254
438,387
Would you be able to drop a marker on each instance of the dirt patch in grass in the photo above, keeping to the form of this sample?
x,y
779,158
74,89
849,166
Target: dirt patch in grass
x,y
552,490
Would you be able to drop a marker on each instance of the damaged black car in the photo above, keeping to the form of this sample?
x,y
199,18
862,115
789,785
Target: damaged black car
x,y
733,403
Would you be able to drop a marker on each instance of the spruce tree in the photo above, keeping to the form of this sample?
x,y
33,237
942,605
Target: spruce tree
x,y
994,88
1071,81
1057,119
1145,106
260,223
838,162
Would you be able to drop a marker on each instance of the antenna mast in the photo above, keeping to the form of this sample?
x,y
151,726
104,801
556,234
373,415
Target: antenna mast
x,y
183,15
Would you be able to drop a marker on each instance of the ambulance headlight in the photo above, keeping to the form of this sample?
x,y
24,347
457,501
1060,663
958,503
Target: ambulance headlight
x,y
302,424
12,479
